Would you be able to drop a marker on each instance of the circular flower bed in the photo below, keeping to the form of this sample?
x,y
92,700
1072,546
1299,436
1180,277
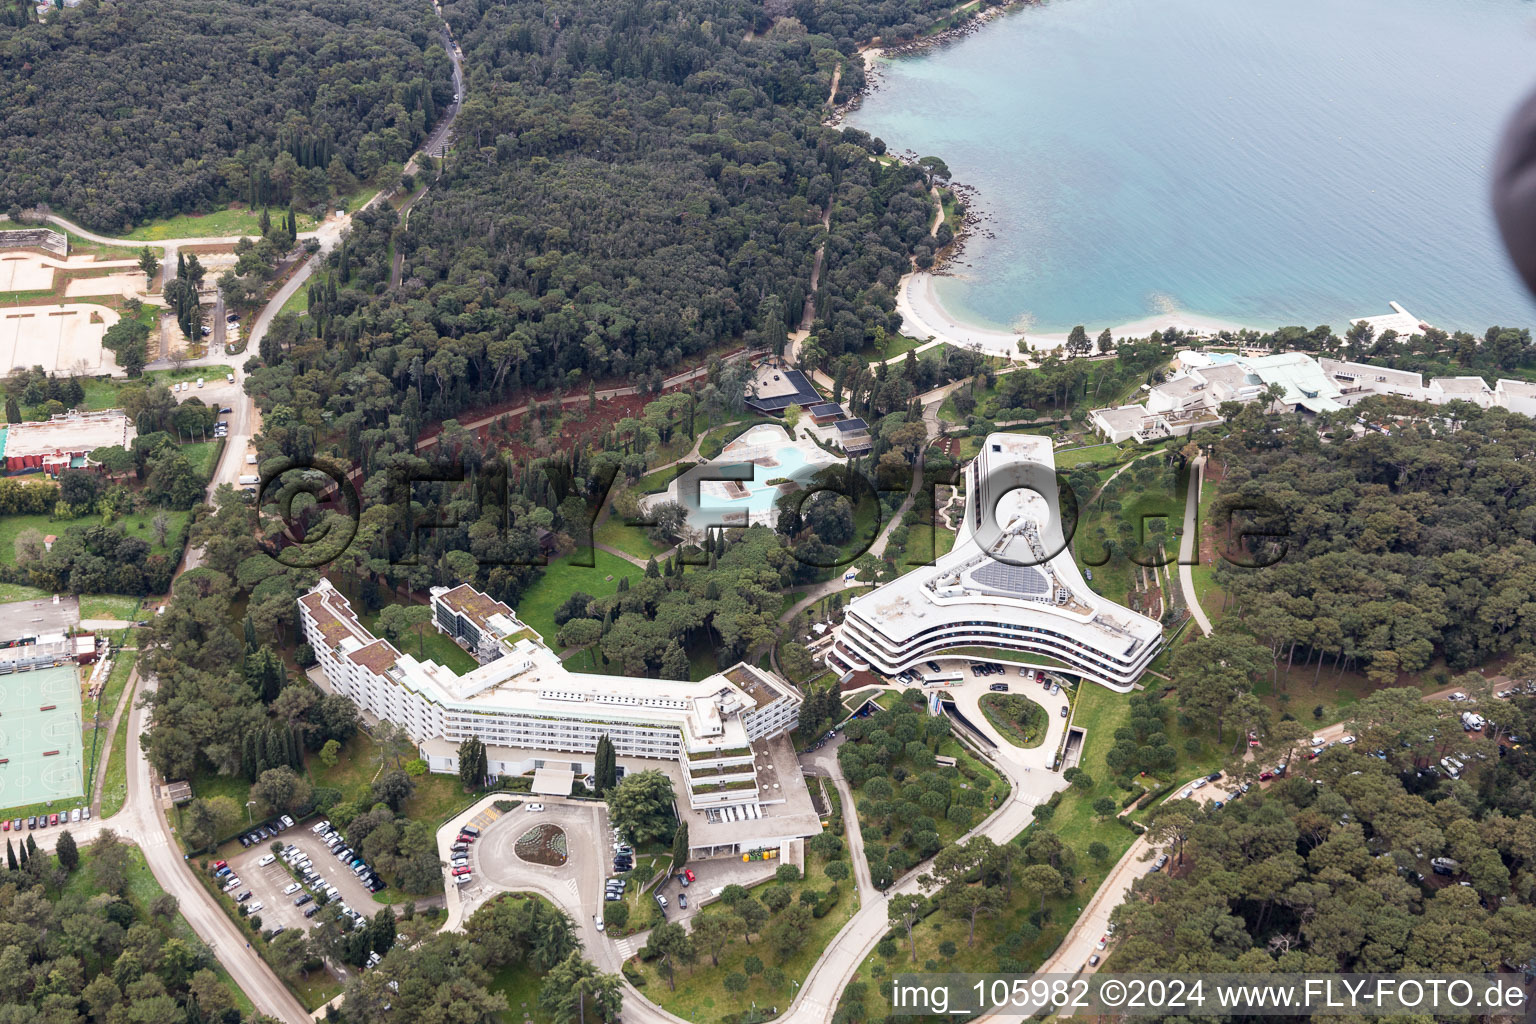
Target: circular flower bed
x,y
542,844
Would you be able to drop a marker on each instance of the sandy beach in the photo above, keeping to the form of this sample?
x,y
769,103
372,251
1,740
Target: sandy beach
x,y
924,316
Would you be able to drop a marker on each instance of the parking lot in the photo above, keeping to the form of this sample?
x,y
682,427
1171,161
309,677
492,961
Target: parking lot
x,y
266,883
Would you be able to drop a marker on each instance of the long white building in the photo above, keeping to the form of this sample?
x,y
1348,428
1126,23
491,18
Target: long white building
x,y
1009,582
529,709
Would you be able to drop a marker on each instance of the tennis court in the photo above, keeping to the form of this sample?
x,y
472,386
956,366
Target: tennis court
x,y
40,756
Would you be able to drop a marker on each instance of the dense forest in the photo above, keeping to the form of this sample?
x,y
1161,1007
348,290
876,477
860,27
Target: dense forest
x,y
632,188
1335,867
116,113
87,935
1398,548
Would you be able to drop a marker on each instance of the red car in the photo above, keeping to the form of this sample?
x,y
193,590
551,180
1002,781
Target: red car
x,y
53,819
1266,776
465,837
220,864
7,826
688,874
461,871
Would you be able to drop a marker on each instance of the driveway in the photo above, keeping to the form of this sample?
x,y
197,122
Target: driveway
x,y
575,886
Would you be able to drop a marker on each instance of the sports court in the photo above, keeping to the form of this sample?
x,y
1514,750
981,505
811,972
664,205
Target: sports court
x,y
62,339
40,754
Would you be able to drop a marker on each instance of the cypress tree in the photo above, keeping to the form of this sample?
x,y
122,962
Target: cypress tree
x,y
10,854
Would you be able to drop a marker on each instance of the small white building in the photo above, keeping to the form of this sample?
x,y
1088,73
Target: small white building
x,y
1460,389
1128,422
1516,396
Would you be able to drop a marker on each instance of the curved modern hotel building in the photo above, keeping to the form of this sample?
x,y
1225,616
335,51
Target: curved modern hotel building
x,y
1009,582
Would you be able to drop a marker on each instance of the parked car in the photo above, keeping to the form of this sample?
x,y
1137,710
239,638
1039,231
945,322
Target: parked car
x,y
688,874
682,900
268,859
998,687
662,900
303,899
1066,709
535,808
254,908
461,871
312,911
292,888
243,896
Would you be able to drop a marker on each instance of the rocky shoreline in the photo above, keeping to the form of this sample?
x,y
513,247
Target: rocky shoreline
x,y
973,218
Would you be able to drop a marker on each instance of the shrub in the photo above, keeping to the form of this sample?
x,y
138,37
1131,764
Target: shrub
x,y
886,947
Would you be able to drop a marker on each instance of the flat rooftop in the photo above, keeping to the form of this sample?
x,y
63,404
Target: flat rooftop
x,y
1012,580
68,434
775,388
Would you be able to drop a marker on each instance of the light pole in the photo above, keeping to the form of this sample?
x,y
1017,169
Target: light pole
x,y
248,819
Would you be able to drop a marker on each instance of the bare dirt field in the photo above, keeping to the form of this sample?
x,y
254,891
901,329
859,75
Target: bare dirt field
x,y
60,339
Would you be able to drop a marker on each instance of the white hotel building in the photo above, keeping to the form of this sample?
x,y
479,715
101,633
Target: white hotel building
x,y
1010,582
721,738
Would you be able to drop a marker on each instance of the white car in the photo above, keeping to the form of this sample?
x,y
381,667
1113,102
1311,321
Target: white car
x,y
535,808
598,920
1202,783
295,887
268,859
254,908
463,879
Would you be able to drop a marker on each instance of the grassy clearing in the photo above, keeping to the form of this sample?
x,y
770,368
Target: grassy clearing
x,y
436,798
427,643
632,540
135,524
561,579
203,455
16,592
110,606
521,984
114,785
236,220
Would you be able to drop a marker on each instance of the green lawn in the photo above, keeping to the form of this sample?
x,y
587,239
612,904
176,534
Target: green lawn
x,y
114,785
297,304
16,592
203,455
428,644
437,797
103,394
521,984
110,606
219,224
896,346
135,524
561,579
632,540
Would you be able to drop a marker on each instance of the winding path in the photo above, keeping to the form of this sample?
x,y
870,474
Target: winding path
x,y
1189,545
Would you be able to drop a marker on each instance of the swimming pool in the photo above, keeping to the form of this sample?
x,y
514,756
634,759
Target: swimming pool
x,y
734,490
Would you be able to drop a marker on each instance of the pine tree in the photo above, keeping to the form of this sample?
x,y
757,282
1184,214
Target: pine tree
x,y
68,853
10,854
250,635
680,845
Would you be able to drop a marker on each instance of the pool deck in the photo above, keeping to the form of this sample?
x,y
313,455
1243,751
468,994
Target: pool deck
x,y
721,493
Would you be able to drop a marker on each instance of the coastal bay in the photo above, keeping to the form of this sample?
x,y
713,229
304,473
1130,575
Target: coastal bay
x,y
1214,163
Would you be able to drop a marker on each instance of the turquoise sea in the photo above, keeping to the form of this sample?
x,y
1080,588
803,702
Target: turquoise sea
x,y
1262,162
